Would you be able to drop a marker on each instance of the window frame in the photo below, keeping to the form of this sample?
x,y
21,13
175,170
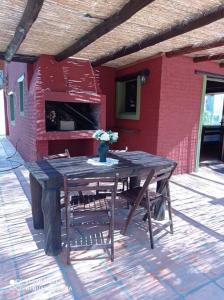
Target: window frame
x,y
20,81
120,99
11,101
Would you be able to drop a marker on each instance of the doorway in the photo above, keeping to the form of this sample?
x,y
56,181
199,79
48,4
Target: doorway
x,y
211,133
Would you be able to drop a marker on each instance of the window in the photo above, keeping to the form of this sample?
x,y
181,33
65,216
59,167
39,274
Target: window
x,y
213,109
128,98
21,94
11,108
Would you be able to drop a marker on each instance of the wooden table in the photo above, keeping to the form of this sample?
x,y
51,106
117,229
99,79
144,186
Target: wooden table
x,y
46,179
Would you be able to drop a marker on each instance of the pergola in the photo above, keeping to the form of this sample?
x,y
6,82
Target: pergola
x,y
114,32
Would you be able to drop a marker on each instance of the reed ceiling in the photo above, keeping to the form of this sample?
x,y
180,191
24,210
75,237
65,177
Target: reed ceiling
x,y
61,22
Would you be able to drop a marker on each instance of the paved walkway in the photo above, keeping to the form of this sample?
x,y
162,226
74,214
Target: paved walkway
x,y
187,265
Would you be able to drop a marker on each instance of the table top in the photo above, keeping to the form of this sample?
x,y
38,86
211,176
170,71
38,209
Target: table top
x,y
131,163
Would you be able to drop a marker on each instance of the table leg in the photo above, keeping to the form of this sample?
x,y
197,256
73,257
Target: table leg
x,y
52,221
135,181
36,195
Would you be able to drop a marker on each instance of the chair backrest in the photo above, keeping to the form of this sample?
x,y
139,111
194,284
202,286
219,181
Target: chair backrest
x,y
72,184
59,155
163,175
118,150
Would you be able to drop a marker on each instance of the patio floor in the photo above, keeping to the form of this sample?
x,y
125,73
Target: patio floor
x,y
187,265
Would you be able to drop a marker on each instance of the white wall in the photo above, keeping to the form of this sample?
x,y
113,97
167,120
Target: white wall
x,y
2,114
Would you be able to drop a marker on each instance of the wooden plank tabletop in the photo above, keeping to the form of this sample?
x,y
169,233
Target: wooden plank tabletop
x,y
131,163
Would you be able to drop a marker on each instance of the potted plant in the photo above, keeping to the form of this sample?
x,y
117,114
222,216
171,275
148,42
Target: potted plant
x,y
104,137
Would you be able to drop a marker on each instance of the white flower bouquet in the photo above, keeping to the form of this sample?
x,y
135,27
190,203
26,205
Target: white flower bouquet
x,y
106,136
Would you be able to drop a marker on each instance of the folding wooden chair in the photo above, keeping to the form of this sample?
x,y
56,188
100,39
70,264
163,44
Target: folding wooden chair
x,y
56,156
93,208
151,200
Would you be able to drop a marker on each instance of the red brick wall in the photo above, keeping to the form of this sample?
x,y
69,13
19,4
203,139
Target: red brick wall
x,y
71,75
76,147
23,133
136,134
143,132
170,108
106,83
179,111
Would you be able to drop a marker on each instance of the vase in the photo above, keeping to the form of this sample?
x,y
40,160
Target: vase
x,y
102,151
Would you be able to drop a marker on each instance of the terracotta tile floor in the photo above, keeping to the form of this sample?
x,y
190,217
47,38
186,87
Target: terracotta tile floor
x,y
186,265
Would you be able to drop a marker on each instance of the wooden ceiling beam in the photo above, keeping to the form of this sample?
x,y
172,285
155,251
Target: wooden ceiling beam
x,y
195,48
29,16
21,58
208,57
197,21
209,74
119,17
